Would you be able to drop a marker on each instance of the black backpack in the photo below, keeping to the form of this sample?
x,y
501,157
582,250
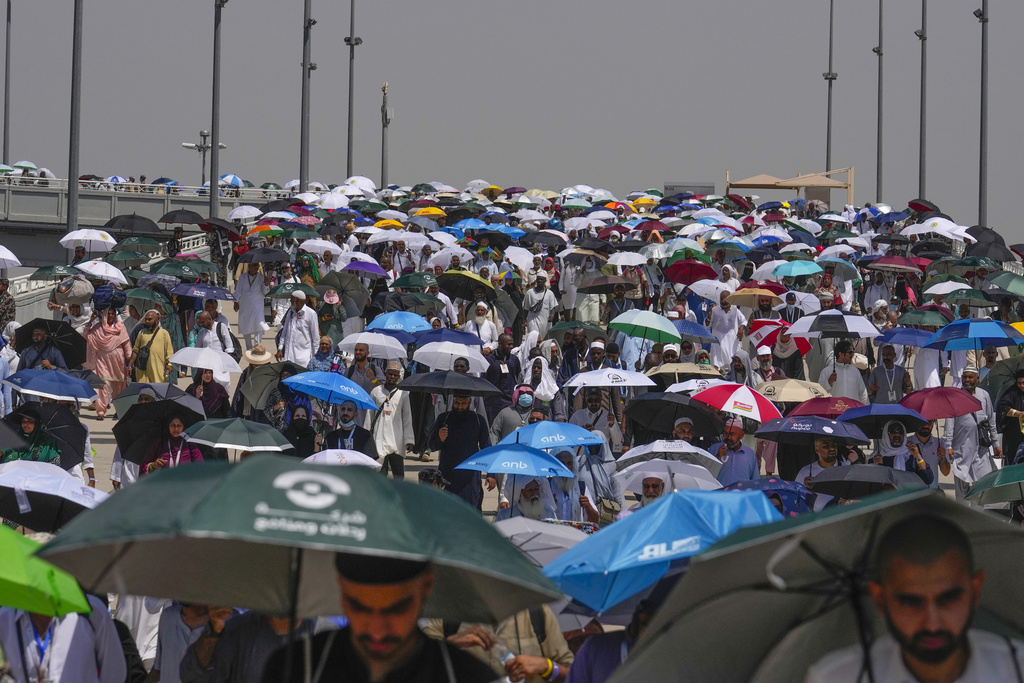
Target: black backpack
x,y
236,348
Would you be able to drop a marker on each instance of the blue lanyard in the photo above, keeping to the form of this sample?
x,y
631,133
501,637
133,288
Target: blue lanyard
x,y
42,645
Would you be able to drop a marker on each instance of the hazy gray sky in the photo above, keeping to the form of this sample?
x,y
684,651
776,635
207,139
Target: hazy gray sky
x,y
541,94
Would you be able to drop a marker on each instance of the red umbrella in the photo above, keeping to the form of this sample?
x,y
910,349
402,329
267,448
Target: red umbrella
x,y
689,271
766,333
831,407
939,402
620,229
738,399
895,264
922,205
738,201
774,287
650,226
921,262
773,218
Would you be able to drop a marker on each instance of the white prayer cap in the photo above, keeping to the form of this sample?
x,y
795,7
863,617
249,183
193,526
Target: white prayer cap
x,y
764,351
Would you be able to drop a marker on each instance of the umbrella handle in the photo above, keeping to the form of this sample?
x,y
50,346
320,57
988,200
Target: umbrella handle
x,y
777,557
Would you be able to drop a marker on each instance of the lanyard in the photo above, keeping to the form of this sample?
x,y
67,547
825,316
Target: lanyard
x,y
42,645
172,457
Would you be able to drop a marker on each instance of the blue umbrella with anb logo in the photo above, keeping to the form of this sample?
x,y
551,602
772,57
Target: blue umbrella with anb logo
x,y
331,387
516,458
547,434
399,320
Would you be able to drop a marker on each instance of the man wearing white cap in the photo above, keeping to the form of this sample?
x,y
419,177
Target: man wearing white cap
x,y
765,371
483,328
252,287
391,426
540,304
300,333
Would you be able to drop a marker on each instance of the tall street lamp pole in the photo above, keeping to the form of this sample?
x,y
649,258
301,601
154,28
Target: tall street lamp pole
x,y
922,34
215,145
307,29
982,15
76,116
830,76
7,90
878,133
352,41
385,121
203,147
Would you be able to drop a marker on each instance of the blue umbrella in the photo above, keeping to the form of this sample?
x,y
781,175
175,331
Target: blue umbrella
x,y
515,458
203,291
232,179
872,418
51,384
769,205
451,230
891,217
804,238
495,216
514,233
694,331
446,334
402,336
549,435
904,336
796,498
399,320
636,552
974,334
762,240
795,268
330,387
470,224
800,430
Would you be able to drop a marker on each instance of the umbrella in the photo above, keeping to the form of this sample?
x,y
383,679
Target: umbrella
x,y
200,290
796,268
145,423
404,301
263,255
683,371
144,244
286,289
268,513
448,382
379,345
1002,376
262,380
831,407
646,325
442,356
103,271
710,289
749,297
920,316
605,284
58,272
43,497
894,264
694,332
670,450
445,334
765,332
92,240
54,384
126,259
738,399
689,271
857,481
130,396
1005,485
463,285
8,259
63,425
331,387
904,336
800,430
205,358
659,411
834,324
540,541
34,585
342,456
176,268
692,386
415,281
974,334
399,320
182,216
795,498
590,329
1009,281
61,335
133,224
992,250
609,377
636,552
515,458
792,391
681,476
548,435
873,418
234,432
940,402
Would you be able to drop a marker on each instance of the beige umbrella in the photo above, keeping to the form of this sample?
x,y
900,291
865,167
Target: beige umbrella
x,y
792,391
749,297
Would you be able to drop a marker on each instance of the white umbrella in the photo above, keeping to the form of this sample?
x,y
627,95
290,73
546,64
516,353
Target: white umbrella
x,y
342,456
520,257
945,288
531,215
764,271
796,246
583,222
333,200
443,258
444,238
92,240
710,289
833,323
805,301
610,377
860,242
627,258
836,250
282,215
318,246
834,217
350,256
694,386
442,355
243,213
360,181
7,258
308,198
51,490
25,165
205,358
541,541
682,475
380,345
392,215
103,271
670,450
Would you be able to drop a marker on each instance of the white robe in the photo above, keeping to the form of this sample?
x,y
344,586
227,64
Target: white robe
x,y
726,327
539,321
281,306
927,363
488,332
250,291
301,336
849,383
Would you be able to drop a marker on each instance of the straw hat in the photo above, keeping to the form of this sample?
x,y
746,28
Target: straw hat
x,y
258,355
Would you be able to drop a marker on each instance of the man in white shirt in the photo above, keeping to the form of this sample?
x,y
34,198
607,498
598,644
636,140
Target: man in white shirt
x,y
727,324
827,450
927,590
483,328
540,304
330,265
930,365
281,306
300,335
402,258
842,378
217,337
250,291
391,426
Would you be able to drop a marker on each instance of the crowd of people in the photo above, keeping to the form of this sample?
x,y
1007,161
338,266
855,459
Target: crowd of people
x,y
715,332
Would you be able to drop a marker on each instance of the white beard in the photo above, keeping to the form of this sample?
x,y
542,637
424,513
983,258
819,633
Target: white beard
x,y
564,483
480,320
647,500
531,509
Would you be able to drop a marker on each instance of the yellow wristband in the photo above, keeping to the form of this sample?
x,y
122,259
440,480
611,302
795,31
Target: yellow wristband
x,y
551,667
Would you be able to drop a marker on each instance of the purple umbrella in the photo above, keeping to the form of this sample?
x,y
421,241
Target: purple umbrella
x,y
366,267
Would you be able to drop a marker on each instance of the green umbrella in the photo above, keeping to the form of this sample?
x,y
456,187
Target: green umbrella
x,y
971,263
234,432
414,280
146,244
144,296
133,273
261,381
1001,377
945,277
270,186
284,291
972,297
790,592
1011,282
182,269
684,254
247,524
299,234
55,272
126,258
918,317
835,234
352,291
32,584
1005,485
646,325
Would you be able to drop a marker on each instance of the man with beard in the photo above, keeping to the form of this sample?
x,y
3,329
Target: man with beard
x,y
932,450
349,435
300,332
503,371
763,311
827,450
250,291
363,372
888,382
876,291
927,590
971,457
765,370
483,328
739,463
540,304
391,425
573,356
457,434
618,304
842,378
652,489
595,416
529,493
43,354
158,349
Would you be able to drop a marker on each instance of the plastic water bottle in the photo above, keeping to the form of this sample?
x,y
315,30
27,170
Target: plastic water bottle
x,y
503,654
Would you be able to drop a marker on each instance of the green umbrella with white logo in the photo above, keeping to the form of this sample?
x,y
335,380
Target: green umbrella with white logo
x,y
248,526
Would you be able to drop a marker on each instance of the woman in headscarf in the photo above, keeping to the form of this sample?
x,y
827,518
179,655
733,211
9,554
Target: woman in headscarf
x,y
787,356
309,274
552,354
553,274
728,276
170,449
332,316
300,434
894,451
825,286
522,351
323,359
107,350
39,446
545,389
1010,416
588,306
214,397
282,402
741,371
603,495
703,357
687,351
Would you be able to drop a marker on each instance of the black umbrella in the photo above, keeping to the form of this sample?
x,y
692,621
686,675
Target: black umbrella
x,y
996,251
386,302
659,411
210,223
930,245
857,481
349,287
449,382
595,244
922,205
89,376
546,238
330,229
264,255
144,423
10,437
134,224
632,245
984,234
279,205
182,216
463,285
605,284
63,425
130,396
495,239
44,504
70,344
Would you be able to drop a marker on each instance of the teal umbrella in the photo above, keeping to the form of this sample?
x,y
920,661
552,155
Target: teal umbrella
x,y
234,432
246,524
1005,485
55,272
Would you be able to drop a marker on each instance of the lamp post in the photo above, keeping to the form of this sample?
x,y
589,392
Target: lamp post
x,y
203,147
215,145
922,35
307,67
385,121
352,41
74,139
878,133
7,90
830,76
982,15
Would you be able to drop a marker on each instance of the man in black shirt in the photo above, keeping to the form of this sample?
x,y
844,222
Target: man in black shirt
x,y
383,599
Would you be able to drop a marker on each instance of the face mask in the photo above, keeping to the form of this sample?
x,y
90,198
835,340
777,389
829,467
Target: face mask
x,y
348,425
300,422
791,307
703,361
525,400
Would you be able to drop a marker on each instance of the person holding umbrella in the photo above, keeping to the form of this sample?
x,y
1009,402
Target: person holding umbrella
x,y
1009,414
42,354
970,439
40,446
107,352
457,434
894,451
250,291
739,461
215,399
843,379
170,449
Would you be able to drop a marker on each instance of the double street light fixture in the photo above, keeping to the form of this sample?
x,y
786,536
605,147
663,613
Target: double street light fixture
x,y
203,147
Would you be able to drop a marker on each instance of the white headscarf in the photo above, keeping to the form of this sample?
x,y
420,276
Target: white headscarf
x,y
897,453
548,388
523,350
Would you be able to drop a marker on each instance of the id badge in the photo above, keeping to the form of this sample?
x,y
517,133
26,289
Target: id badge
x,y
504,368
892,395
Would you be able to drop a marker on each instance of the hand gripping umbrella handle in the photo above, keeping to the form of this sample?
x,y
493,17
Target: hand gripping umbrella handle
x,y
777,557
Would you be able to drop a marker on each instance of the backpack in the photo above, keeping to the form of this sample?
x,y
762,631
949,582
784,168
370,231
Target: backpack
x,y
236,349
108,296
